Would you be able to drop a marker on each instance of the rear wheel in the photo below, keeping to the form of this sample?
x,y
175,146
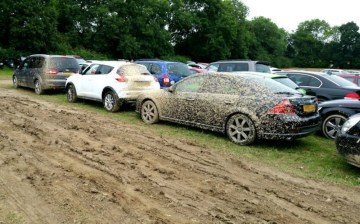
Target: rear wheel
x,y
241,129
111,102
15,82
332,124
149,112
71,94
38,88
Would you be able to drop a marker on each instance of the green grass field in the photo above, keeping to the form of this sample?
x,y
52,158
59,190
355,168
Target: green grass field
x,y
6,73
314,157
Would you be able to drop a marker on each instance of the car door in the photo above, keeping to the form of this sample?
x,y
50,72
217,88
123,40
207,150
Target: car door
x,y
212,104
307,82
180,102
96,78
22,73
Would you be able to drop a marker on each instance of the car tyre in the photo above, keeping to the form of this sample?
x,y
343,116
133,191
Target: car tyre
x,y
111,102
38,88
149,112
15,82
332,124
71,94
241,129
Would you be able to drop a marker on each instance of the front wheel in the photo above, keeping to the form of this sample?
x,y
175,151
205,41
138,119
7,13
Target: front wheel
x,y
241,129
15,82
332,125
71,94
111,102
38,88
149,112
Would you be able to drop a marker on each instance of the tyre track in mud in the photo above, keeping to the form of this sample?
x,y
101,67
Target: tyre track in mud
x,y
88,168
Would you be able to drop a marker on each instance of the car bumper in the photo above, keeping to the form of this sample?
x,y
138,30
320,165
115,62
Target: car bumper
x,y
281,127
54,84
348,147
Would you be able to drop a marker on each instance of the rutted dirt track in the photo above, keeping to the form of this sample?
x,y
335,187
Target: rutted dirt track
x,y
60,164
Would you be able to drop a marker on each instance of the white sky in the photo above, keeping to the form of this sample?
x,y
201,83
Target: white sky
x,y
288,14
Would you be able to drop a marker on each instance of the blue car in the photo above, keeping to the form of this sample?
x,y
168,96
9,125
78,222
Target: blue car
x,y
167,72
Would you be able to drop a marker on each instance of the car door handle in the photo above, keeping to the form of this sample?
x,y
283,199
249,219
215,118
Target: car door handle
x,y
229,102
190,99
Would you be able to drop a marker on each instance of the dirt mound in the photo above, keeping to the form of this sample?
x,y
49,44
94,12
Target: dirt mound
x,y
60,164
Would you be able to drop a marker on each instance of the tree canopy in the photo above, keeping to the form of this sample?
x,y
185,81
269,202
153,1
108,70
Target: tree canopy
x,y
205,30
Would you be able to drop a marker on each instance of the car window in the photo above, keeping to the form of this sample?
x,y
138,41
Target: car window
x,y
25,64
305,80
104,69
262,68
64,64
213,67
192,84
37,62
272,85
233,67
178,69
155,69
220,85
133,69
349,79
91,70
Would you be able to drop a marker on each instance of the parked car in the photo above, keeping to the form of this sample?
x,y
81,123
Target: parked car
x,y
334,113
167,72
236,65
274,70
195,70
323,86
347,141
352,77
1,64
79,59
42,72
112,82
244,106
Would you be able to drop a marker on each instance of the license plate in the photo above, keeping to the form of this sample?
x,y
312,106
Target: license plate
x,y
67,73
143,83
309,108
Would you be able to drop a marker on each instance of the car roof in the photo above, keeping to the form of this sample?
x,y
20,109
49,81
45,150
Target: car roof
x,y
266,75
157,61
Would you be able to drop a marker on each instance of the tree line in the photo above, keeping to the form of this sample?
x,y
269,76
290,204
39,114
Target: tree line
x,y
200,30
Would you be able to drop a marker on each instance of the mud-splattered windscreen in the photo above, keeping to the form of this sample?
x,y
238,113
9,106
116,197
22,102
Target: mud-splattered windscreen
x,y
178,69
64,64
133,69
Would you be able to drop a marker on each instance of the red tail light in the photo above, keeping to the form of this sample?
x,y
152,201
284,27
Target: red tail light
x,y
284,107
53,71
121,78
166,80
352,96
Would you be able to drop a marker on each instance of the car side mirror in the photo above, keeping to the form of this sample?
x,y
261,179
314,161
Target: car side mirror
x,y
171,89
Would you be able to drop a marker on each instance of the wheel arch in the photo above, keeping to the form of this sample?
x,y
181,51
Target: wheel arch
x,y
107,89
247,113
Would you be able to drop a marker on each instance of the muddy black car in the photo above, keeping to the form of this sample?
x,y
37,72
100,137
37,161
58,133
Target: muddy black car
x,y
42,72
347,140
244,106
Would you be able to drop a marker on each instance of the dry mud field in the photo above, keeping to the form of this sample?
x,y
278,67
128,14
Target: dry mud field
x,y
60,164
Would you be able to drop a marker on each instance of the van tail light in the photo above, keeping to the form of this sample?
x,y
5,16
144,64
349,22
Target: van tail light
x,y
53,71
284,107
352,96
166,80
121,78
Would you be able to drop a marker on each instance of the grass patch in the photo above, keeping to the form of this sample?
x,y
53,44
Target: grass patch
x,y
6,73
313,157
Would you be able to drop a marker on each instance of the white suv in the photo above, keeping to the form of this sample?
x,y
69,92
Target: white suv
x,y
111,82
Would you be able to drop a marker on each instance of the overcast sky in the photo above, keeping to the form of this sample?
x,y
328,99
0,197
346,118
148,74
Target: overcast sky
x,y
288,14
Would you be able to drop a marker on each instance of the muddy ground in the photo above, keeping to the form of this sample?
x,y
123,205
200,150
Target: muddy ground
x,y
60,164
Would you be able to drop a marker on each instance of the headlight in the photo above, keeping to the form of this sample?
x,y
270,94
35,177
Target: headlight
x,y
349,124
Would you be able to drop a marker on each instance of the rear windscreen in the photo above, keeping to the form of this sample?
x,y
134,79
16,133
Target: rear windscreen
x,y
133,69
64,64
